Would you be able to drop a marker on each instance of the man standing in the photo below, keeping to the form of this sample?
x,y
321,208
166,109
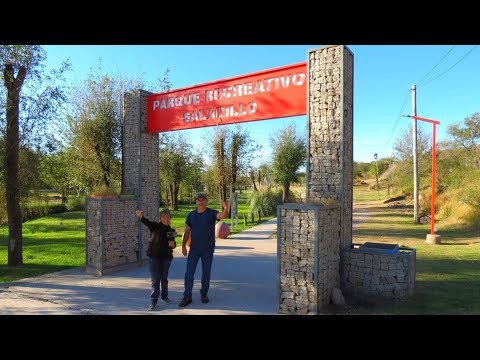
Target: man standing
x,y
201,227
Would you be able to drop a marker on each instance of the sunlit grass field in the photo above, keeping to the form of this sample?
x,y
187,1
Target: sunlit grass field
x,y
57,242
50,243
447,275
178,217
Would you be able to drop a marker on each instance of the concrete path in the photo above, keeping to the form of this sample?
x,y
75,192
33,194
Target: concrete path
x,y
244,281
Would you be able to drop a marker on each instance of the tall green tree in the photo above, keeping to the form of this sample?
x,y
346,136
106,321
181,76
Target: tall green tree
x,y
467,136
192,174
175,158
242,151
252,172
30,99
265,175
56,168
28,170
221,161
289,154
95,127
402,174
403,148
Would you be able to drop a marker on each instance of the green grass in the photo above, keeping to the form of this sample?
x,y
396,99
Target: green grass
x,y
57,242
447,275
447,283
178,217
51,243
362,193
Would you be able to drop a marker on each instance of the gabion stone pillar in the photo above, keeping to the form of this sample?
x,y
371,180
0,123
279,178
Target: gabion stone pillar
x,y
112,240
330,132
308,257
140,162
311,235
116,240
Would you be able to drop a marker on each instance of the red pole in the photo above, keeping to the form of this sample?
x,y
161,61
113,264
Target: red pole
x,y
434,169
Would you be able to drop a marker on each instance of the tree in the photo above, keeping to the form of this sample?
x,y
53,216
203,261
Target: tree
x,y
192,174
265,175
175,165
262,174
25,113
402,174
403,148
56,169
289,154
243,182
361,169
242,150
251,174
28,170
220,161
95,125
468,138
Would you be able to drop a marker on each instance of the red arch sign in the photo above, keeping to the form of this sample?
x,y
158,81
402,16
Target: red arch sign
x,y
262,95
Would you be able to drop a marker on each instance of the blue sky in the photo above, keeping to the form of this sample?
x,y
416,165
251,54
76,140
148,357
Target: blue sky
x,y
383,76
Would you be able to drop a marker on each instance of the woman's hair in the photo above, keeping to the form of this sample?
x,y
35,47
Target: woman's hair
x,y
165,212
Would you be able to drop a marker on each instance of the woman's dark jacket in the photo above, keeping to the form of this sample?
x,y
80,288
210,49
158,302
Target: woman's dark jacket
x,y
158,244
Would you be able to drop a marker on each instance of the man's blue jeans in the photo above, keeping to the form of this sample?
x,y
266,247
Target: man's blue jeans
x,y
192,261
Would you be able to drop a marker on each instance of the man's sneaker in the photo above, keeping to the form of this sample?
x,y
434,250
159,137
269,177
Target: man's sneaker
x,y
205,298
166,300
152,305
185,301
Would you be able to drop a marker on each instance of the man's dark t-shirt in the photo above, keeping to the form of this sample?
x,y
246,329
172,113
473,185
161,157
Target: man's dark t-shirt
x,y
202,229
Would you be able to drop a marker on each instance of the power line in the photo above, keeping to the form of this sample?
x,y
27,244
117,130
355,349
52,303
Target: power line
x,y
398,119
438,63
464,56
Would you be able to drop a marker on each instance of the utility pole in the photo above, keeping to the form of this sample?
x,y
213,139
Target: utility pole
x,y
388,180
376,174
415,159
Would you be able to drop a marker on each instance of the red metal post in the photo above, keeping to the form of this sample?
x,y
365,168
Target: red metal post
x,y
434,172
434,168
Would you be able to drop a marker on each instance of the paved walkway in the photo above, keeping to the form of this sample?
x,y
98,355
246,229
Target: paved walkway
x,y
244,281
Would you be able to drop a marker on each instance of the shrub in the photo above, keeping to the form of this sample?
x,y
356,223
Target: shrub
x,y
76,203
293,195
32,211
103,190
265,202
57,209
471,196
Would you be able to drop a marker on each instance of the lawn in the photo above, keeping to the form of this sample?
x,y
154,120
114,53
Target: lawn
x,y
178,217
447,275
50,243
57,242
